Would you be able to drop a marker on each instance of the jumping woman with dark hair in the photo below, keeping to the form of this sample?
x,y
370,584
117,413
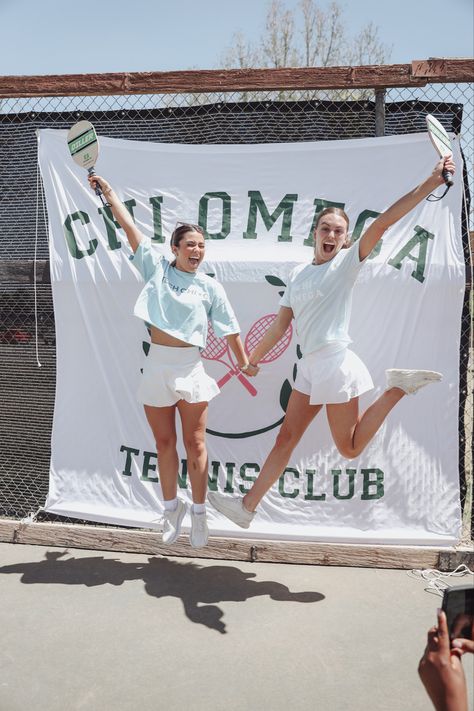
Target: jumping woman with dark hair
x,y
319,297
176,303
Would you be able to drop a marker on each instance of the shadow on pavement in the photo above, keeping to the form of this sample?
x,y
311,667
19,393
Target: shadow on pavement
x,y
198,587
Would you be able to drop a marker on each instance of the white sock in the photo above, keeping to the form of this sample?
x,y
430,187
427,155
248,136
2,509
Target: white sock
x,y
199,508
171,504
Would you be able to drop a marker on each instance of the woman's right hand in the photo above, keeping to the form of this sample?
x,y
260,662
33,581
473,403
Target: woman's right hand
x,y
97,179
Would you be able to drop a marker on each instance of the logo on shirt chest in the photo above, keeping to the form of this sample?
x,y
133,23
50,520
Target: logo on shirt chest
x,y
192,290
306,292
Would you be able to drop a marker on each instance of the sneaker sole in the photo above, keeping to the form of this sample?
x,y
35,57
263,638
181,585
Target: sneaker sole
x,y
229,515
425,378
425,374
202,545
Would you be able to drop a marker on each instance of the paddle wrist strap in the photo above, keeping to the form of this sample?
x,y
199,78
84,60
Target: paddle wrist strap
x,y
434,198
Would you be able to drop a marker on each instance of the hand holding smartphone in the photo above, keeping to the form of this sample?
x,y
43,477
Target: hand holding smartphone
x,y
458,604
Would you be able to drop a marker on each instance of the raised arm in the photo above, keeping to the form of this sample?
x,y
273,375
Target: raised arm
x,y
119,211
402,207
272,335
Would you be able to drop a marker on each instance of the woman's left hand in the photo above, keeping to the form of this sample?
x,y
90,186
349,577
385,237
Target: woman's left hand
x,y
443,164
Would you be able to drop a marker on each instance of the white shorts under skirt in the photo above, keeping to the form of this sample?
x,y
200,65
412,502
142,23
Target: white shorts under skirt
x,y
172,374
331,375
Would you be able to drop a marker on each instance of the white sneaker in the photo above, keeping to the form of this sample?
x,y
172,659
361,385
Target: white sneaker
x,y
232,507
410,381
199,531
172,523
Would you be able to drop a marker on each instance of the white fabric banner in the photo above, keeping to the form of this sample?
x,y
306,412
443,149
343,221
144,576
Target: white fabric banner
x,y
258,203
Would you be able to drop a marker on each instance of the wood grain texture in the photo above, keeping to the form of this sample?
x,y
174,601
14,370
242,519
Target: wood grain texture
x,y
298,552
418,73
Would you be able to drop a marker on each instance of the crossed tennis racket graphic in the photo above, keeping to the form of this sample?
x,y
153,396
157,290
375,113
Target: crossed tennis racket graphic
x,y
217,349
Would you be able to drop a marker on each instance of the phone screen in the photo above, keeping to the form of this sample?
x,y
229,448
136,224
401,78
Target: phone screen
x,y
458,604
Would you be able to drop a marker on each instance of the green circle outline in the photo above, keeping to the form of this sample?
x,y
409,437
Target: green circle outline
x,y
242,435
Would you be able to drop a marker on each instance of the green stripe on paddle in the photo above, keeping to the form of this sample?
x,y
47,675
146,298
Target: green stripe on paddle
x,y
83,141
440,136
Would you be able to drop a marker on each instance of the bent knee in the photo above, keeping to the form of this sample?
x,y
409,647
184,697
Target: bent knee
x,y
348,450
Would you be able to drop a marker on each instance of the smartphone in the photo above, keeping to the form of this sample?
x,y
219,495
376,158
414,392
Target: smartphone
x,y
458,604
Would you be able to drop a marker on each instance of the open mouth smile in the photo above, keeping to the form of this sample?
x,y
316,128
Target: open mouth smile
x,y
328,247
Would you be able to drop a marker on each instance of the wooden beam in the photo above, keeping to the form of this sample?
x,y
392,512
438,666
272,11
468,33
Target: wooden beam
x,y
418,73
299,552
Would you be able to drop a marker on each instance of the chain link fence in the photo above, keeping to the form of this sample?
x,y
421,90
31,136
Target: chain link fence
x,y
26,309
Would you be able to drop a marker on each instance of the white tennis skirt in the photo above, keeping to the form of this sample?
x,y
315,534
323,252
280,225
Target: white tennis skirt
x,y
331,375
172,374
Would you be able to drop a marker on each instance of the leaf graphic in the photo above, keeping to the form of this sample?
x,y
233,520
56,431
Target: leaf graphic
x,y
285,393
146,347
298,352
274,281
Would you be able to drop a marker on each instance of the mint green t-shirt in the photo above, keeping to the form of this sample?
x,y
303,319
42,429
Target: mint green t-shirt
x,y
320,296
181,303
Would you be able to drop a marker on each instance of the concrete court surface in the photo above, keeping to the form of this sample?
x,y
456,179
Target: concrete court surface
x,y
105,631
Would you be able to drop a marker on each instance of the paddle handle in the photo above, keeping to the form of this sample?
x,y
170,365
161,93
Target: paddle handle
x,y
98,189
448,178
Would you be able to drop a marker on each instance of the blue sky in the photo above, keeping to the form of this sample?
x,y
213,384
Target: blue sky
x,y
51,37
